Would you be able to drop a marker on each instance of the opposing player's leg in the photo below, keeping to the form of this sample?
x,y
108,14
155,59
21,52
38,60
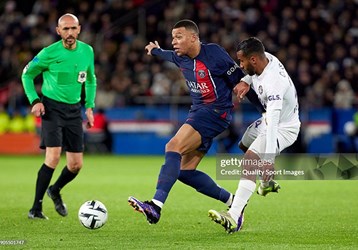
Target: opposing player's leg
x,y
285,138
232,220
225,219
268,187
186,140
251,133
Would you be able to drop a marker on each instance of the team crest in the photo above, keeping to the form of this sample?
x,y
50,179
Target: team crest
x,y
260,90
82,76
201,73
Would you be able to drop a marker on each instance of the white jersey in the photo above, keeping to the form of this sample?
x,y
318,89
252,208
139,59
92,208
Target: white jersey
x,y
276,91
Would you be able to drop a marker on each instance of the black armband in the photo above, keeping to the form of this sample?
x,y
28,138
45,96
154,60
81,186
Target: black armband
x,y
35,101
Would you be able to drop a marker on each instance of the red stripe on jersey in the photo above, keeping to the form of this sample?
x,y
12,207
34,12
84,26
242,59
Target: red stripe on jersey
x,y
224,115
205,83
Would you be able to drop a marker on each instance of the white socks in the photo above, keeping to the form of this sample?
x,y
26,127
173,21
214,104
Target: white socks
x,y
229,201
243,193
158,203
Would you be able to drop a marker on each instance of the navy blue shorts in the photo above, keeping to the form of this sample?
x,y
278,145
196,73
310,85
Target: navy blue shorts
x,y
62,126
209,122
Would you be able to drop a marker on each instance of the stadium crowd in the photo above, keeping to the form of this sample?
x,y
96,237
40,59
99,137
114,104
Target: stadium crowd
x,y
316,40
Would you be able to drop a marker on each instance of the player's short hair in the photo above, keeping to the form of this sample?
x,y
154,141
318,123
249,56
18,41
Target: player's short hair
x,y
251,46
187,24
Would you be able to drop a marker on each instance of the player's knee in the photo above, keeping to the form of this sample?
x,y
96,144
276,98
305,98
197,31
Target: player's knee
x,y
52,160
172,145
75,167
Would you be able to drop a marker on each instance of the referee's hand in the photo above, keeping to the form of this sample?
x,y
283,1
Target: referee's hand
x,y
38,109
90,118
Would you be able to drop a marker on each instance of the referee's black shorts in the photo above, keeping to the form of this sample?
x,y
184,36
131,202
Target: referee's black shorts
x,y
62,126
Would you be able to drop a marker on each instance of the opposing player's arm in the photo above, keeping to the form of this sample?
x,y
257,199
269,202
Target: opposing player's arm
x,y
274,93
272,120
243,88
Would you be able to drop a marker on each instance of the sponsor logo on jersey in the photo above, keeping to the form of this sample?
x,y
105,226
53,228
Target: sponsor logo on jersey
x,y
82,76
232,69
273,97
198,87
260,90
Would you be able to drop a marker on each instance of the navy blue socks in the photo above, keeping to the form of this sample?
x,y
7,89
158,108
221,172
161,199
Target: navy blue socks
x,y
170,172
168,175
204,184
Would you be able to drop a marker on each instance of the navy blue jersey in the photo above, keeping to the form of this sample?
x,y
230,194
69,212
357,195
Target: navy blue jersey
x,y
210,76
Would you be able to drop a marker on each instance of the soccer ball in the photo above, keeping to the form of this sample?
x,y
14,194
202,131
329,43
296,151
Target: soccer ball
x,y
350,128
93,214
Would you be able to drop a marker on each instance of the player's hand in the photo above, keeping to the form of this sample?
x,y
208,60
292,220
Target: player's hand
x,y
38,109
90,118
241,89
151,46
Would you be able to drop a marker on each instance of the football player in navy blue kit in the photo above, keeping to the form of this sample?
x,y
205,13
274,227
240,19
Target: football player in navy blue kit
x,y
211,75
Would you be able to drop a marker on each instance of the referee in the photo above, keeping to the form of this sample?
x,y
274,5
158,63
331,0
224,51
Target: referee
x,y
66,66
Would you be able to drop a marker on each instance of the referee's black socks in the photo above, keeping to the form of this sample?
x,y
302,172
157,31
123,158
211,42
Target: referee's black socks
x,y
44,176
65,177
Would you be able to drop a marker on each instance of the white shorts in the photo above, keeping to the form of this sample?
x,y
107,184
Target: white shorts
x,y
254,137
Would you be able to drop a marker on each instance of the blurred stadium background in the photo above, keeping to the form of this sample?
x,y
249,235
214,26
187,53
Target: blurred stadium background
x,y
141,100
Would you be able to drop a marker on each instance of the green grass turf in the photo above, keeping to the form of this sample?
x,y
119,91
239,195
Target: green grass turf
x,y
304,215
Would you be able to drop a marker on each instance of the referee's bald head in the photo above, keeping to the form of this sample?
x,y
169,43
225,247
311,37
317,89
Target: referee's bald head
x,y
66,17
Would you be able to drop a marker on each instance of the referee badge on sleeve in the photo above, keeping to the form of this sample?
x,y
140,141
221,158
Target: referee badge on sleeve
x,y
82,76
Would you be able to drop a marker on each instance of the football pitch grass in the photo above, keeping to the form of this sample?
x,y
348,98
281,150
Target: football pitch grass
x,y
304,215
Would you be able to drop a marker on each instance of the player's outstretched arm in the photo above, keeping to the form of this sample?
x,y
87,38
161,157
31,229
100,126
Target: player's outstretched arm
x,y
151,46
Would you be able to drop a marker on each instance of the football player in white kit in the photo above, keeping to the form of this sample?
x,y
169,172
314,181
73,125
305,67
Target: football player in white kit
x,y
265,138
